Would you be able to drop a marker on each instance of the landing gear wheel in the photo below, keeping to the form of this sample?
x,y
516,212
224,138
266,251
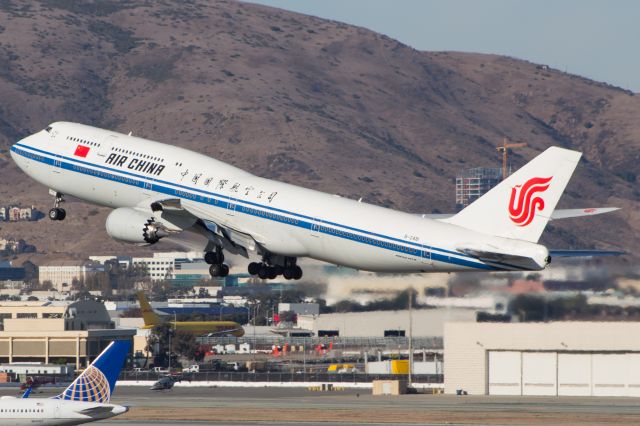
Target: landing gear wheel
x,y
224,270
288,273
263,273
57,213
214,270
297,273
272,272
254,268
213,257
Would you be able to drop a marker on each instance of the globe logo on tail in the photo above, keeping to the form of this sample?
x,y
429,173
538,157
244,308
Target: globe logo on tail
x,y
91,386
524,202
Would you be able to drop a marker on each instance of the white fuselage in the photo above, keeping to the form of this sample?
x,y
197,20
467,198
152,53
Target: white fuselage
x,y
127,171
53,412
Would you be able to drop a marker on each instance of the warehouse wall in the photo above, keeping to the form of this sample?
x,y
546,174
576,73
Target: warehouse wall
x,y
467,347
426,322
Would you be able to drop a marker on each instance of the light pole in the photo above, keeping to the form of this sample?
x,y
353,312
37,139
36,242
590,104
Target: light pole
x,y
171,331
255,315
410,336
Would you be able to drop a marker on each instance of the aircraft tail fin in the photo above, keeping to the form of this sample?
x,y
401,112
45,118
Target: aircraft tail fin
x,y
27,392
520,206
148,314
97,382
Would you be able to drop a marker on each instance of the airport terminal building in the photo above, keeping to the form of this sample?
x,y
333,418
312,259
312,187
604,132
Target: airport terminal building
x,y
558,358
50,332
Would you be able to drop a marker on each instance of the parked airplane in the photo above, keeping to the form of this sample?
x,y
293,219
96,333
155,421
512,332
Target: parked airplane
x,y
160,191
85,400
198,328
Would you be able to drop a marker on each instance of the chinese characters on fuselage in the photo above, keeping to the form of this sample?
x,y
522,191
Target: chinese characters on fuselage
x,y
233,187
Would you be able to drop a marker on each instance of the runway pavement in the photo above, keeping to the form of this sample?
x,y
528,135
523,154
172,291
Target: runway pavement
x,y
268,406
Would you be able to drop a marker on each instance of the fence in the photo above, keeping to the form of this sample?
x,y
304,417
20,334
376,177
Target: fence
x,y
362,343
226,376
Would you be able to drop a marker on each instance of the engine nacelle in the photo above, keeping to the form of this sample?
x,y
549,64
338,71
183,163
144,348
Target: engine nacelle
x,y
134,226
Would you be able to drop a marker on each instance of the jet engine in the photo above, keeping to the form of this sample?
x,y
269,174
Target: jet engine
x,y
134,226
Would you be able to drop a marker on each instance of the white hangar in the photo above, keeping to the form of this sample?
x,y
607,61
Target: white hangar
x,y
558,358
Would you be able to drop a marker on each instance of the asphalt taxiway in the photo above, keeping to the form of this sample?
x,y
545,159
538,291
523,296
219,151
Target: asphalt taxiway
x,y
267,406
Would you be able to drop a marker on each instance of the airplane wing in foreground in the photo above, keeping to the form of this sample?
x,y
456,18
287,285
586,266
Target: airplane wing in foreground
x,y
188,227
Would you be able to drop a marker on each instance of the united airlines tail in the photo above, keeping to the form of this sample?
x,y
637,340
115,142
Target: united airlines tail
x,y
97,382
148,314
521,205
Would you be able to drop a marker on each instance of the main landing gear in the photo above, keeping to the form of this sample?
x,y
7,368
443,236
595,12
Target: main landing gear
x,y
267,270
216,259
57,212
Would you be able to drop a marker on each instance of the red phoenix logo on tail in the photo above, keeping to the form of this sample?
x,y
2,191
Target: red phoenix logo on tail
x,y
523,210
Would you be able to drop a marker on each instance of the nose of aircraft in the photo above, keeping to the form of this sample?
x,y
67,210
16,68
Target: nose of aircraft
x,y
11,152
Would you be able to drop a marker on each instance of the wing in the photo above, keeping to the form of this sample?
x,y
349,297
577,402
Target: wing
x,y
98,412
193,230
557,214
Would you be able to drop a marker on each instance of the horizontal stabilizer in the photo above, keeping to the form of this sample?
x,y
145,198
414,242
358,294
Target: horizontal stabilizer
x,y
585,253
591,211
496,256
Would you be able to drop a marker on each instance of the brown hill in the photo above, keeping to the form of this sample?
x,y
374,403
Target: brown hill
x,y
305,100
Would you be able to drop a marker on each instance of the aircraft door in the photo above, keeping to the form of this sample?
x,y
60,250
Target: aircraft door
x,y
105,146
147,189
315,232
426,257
231,207
57,165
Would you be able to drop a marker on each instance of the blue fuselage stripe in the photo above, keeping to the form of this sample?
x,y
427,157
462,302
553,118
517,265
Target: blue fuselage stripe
x,y
226,202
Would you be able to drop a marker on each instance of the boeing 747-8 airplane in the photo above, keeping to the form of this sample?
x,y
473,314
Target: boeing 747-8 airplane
x,y
160,191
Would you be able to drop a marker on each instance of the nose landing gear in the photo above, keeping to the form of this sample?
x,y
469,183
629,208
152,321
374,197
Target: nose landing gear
x,y
57,212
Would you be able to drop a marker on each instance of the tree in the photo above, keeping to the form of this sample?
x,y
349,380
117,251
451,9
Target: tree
x,y
131,313
158,343
185,345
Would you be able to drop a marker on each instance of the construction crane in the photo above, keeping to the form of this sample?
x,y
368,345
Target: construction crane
x,y
505,149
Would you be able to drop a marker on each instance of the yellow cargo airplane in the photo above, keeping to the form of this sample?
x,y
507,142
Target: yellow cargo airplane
x,y
198,328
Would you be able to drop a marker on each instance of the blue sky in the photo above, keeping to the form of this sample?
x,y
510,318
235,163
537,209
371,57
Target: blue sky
x,y
596,39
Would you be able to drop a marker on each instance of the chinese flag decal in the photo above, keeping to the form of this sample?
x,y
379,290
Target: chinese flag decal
x,y
81,151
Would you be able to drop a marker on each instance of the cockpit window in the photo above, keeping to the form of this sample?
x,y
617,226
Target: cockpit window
x,y
48,129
